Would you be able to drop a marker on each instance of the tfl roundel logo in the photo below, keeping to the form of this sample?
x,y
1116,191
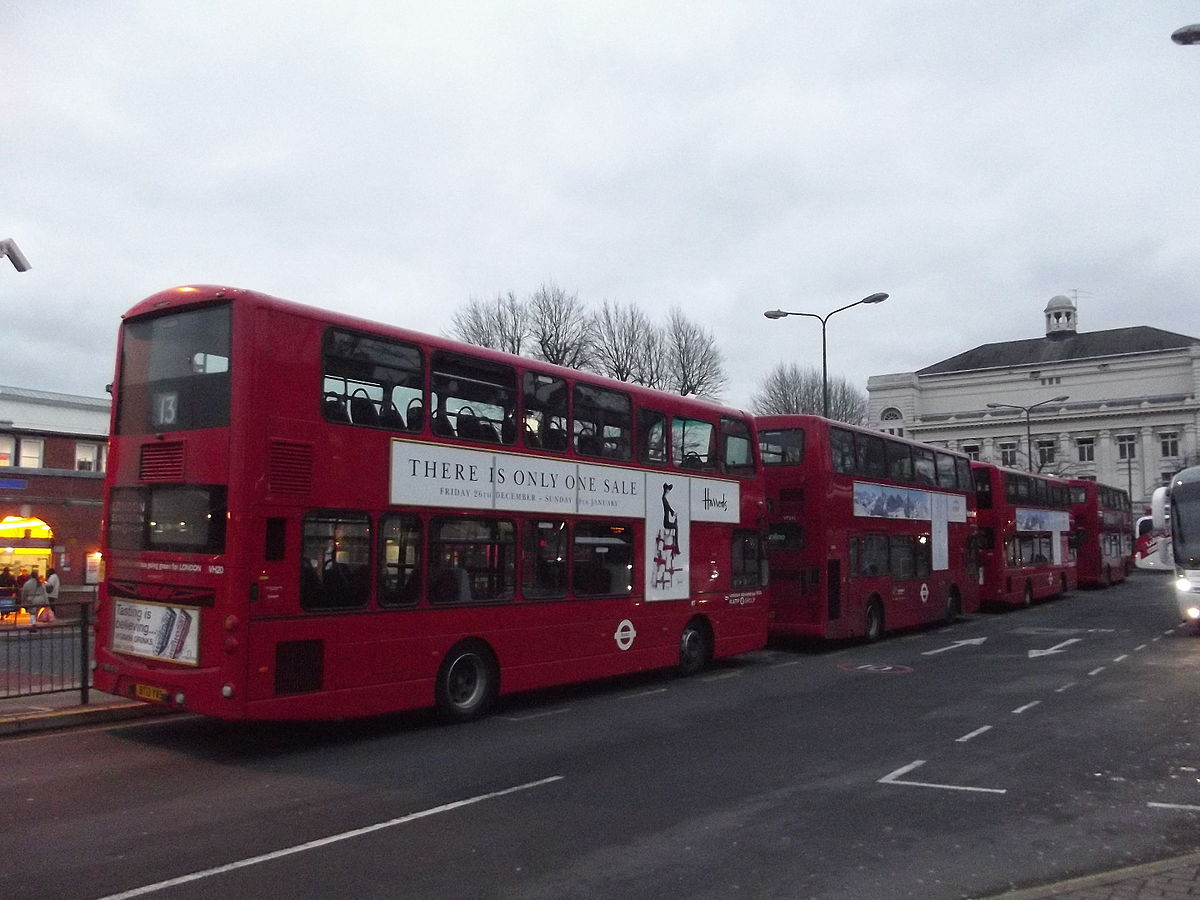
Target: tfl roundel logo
x,y
625,634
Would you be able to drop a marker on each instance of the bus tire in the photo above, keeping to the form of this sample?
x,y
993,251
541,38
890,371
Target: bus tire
x,y
695,647
953,605
873,620
467,682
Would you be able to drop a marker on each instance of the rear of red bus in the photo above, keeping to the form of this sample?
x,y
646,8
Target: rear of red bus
x,y
1103,533
1026,545
167,631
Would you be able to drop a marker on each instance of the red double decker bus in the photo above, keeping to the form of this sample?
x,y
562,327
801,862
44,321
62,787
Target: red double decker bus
x,y
867,532
1103,533
313,516
1026,549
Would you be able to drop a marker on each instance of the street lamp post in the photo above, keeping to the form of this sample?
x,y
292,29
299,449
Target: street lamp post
x,y
1028,427
780,314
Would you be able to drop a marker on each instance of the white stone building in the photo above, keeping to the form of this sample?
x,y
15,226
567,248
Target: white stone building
x,y
1118,406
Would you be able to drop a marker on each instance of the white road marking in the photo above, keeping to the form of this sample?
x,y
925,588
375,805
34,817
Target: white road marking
x,y
1057,648
721,676
537,715
1027,706
1097,671
894,778
972,642
648,693
784,665
1121,657
1140,647
331,839
1066,687
1175,806
974,734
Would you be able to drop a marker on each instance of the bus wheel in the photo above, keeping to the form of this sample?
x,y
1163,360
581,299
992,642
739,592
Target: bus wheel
x,y
873,623
953,605
467,682
695,647
1027,600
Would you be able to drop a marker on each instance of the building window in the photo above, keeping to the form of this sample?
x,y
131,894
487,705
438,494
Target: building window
x,y
1085,449
1126,446
1045,451
87,457
892,420
1008,453
8,446
31,453
972,451
1169,441
1164,478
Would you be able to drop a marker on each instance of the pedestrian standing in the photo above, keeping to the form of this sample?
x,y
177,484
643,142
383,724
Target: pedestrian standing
x,y
52,585
33,595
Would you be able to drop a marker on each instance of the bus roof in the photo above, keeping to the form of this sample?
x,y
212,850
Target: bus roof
x,y
184,296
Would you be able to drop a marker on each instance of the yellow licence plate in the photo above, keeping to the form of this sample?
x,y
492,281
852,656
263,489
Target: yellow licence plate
x,y
150,692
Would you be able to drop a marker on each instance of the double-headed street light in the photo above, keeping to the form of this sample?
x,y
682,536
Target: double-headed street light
x,y
1028,428
779,314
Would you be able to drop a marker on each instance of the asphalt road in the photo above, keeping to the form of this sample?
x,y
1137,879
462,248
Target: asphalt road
x,y
1009,749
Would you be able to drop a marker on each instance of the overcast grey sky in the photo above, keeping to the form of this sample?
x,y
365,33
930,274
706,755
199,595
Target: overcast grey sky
x,y
395,159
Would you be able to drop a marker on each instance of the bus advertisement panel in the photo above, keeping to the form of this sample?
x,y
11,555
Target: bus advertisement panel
x,y
868,532
310,516
1026,549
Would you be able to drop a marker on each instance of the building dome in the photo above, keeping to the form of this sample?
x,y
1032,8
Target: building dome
x,y
1060,317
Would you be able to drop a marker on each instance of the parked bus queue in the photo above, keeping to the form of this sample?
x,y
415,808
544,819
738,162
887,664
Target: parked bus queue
x,y
312,516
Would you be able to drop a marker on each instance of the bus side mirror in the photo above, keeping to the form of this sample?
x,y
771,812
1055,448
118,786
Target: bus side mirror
x,y
1158,508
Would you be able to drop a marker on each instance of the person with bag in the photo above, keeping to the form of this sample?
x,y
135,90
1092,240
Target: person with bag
x,y
33,596
52,585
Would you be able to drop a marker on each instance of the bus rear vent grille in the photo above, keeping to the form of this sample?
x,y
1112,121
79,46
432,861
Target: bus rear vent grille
x,y
161,462
291,468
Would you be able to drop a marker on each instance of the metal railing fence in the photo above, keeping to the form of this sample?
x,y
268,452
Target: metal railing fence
x,y
49,657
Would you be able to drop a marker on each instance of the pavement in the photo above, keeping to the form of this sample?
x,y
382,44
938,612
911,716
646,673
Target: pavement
x,y
45,712
1169,878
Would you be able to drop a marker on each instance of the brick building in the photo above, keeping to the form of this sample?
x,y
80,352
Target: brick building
x,y
52,456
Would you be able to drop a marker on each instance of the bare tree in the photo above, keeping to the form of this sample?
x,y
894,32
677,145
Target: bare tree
x,y
789,389
560,327
694,364
500,324
616,332
652,358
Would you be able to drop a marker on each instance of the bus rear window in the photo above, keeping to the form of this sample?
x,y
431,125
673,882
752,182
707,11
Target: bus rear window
x,y
174,372
169,518
781,448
